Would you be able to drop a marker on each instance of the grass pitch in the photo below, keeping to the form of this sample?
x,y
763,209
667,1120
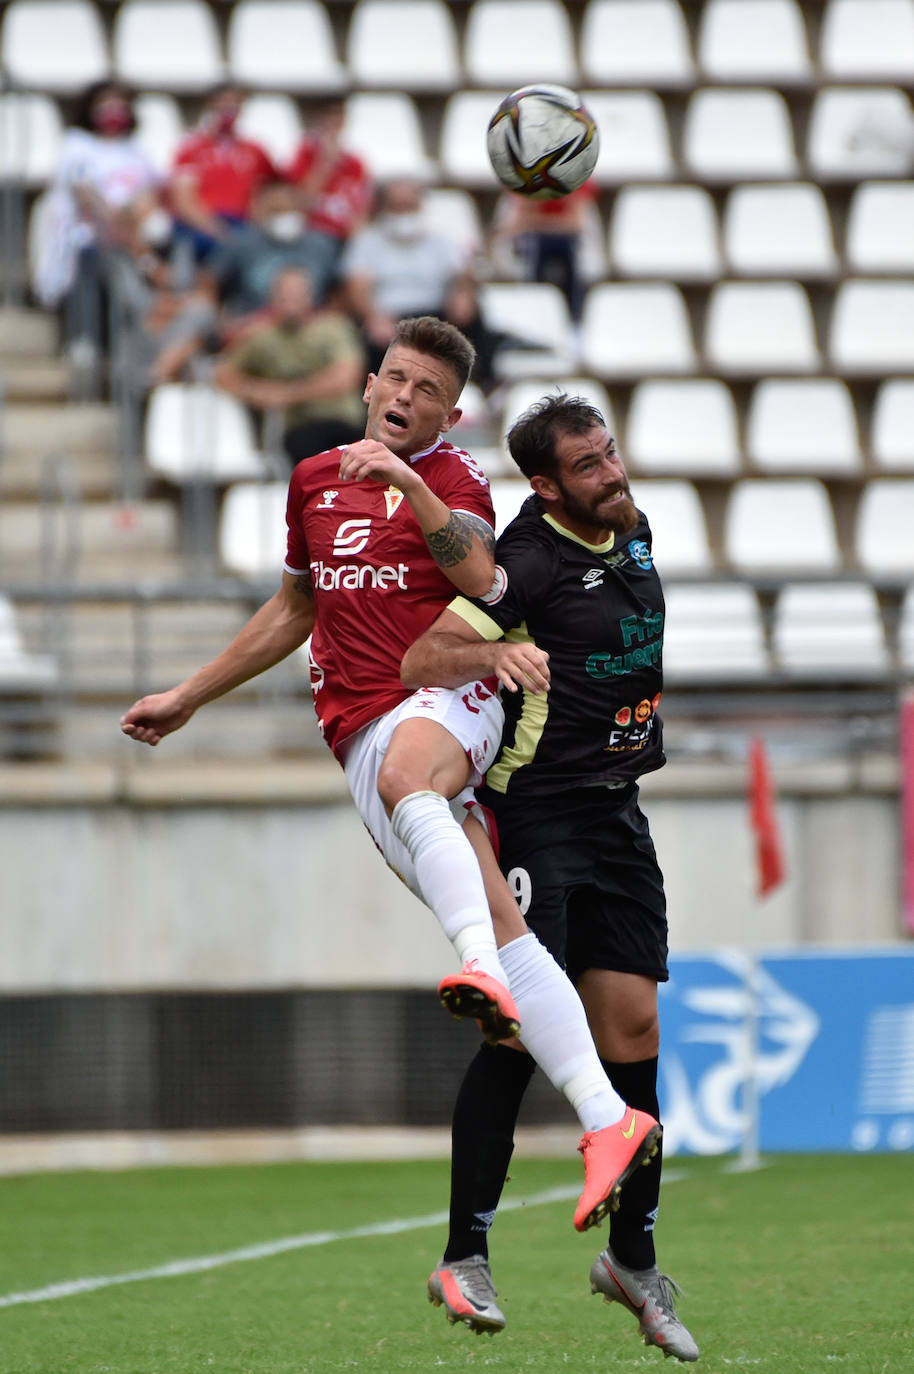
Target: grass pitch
x,y
804,1266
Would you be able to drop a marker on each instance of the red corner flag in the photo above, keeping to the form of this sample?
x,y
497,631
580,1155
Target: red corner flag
x,y
770,865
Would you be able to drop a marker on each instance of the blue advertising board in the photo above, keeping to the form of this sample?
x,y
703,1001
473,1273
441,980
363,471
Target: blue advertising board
x,y
796,1052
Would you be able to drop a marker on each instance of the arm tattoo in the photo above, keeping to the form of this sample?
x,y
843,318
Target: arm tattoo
x,y
452,543
304,586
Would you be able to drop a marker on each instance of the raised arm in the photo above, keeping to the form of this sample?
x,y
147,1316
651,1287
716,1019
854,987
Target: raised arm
x,y
282,624
452,652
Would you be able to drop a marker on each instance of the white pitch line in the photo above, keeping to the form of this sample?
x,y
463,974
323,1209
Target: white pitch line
x,y
174,1268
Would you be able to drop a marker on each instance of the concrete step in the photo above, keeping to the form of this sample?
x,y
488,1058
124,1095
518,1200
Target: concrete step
x,y
94,474
92,541
28,331
33,379
69,428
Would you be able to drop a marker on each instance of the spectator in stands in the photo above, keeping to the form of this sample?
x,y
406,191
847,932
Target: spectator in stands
x,y
104,191
546,237
462,307
396,267
334,189
214,176
308,364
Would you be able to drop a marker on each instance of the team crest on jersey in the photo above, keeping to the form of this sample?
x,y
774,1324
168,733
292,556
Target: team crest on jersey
x,y
641,553
392,498
351,537
328,498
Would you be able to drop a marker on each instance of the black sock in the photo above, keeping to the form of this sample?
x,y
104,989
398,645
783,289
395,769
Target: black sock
x,y
631,1228
482,1142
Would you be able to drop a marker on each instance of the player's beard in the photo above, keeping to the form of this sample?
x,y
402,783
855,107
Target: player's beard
x,y
620,517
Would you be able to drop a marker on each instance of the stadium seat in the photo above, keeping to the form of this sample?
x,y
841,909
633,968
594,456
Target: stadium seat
x,y
880,228
634,137
273,121
713,631
252,529
20,670
664,231
462,144
872,326
533,311
194,433
521,394
779,230
454,212
735,135
160,128
867,40
383,129
867,132
906,632
508,495
284,45
53,45
803,425
630,329
829,629
167,45
30,132
754,327
892,435
512,43
753,40
413,38
884,533
678,530
686,427
636,43
775,525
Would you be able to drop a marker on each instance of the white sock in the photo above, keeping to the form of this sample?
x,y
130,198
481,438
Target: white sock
x,y
449,877
554,1030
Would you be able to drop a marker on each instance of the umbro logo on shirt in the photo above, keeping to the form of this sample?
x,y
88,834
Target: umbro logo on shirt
x,y
593,577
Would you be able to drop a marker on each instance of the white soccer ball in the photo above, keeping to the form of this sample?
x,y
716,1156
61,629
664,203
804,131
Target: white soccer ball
x,y
542,142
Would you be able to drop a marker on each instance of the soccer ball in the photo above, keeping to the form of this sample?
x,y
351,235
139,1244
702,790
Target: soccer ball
x,y
542,142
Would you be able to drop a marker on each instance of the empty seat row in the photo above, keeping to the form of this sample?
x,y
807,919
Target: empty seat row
x,y
61,44
727,136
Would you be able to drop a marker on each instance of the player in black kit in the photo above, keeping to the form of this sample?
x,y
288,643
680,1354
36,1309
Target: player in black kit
x,y
576,584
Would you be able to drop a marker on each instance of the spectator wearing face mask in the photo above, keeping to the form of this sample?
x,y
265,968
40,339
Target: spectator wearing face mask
x,y
214,176
396,267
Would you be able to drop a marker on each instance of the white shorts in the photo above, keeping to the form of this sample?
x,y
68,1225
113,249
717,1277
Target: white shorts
x,y
472,714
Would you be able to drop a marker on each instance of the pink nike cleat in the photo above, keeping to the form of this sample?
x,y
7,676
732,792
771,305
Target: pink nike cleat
x,y
474,993
611,1156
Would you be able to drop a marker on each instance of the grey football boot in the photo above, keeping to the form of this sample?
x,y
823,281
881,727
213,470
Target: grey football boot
x,y
648,1295
468,1293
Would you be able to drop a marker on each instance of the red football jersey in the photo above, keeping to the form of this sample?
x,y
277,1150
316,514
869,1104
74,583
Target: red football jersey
x,y
346,196
376,586
227,171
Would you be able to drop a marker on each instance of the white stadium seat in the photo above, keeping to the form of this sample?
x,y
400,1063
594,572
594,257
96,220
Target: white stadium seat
x,y
867,40
906,631
30,133
533,311
734,135
892,436
760,327
629,329
169,45
415,39
754,40
872,326
514,43
383,129
53,45
687,427
508,495
454,212
194,433
884,534
20,670
636,43
829,629
780,525
865,132
634,136
779,230
252,529
665,231
462,145
713,630
803,425
678,531
880,227
160,128
284,45
521,394
273,121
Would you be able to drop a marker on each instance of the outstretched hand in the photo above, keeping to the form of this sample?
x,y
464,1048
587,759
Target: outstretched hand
x,y
522,665
152,718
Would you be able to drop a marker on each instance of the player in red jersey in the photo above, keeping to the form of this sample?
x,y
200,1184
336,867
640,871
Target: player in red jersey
x,y
380,533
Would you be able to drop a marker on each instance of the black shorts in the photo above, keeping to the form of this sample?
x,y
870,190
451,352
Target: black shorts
x,y
583,869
